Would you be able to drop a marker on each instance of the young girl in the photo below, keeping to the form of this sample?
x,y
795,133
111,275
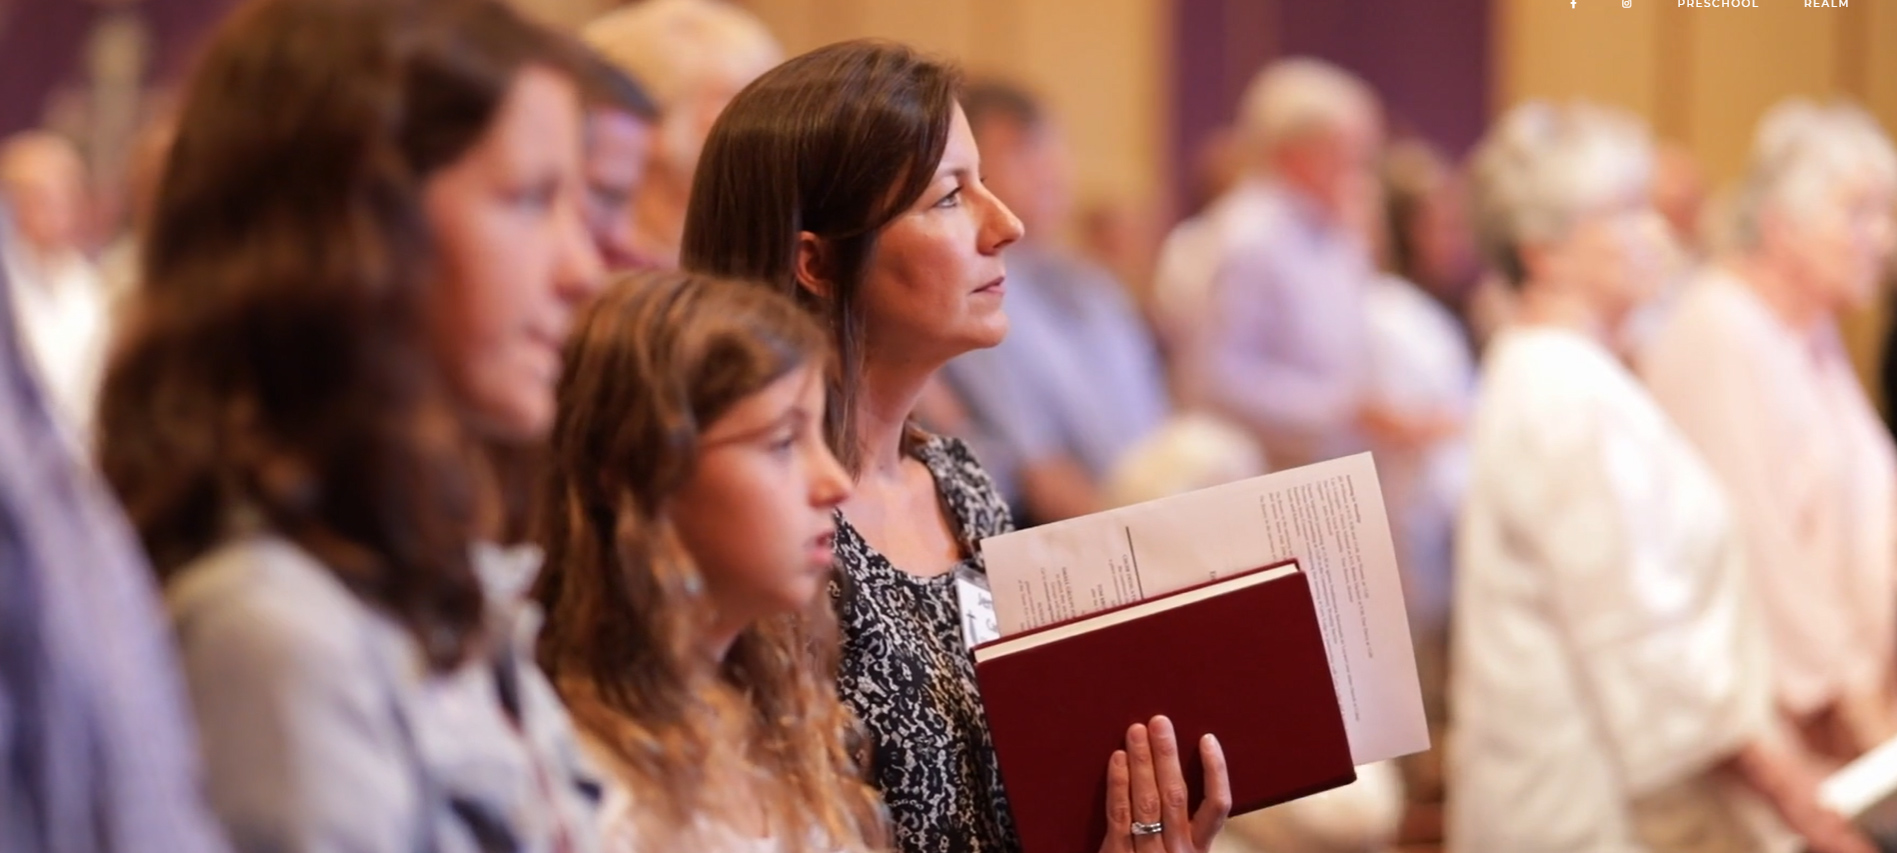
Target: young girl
x,y
688,527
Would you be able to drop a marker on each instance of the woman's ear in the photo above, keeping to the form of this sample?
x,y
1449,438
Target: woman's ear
x,y
813,264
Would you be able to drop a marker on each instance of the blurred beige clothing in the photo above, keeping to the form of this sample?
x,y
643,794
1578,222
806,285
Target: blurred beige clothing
x,y
1606,654
1779,415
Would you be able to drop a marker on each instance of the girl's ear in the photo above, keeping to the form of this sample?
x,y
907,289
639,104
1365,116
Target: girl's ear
x,y
813,264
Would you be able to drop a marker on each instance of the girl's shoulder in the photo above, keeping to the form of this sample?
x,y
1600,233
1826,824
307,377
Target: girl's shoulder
x,y
266,597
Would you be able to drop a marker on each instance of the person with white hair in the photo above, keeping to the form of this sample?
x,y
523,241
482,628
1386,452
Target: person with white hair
x,y
1271,300
62,307
1751,366
1609,677
692,56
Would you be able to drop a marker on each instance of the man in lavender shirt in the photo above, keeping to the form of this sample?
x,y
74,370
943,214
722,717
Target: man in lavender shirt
x,y
95,752
1268,286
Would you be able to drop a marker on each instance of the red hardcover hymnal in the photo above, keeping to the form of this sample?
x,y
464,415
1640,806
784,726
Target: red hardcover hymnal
x,y
1241,657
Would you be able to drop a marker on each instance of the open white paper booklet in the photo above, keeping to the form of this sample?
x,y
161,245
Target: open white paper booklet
x,y
1328,516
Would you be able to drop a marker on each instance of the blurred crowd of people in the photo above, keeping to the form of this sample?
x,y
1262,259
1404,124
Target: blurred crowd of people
x,y
487,409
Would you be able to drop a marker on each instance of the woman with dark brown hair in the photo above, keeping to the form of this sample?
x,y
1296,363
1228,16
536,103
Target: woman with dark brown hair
x,y
687,523
362,258
848,177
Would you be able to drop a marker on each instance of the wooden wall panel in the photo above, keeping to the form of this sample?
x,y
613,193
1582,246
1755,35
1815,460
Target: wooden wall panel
x,y
1102,64
1701,76
1743,62
1596,50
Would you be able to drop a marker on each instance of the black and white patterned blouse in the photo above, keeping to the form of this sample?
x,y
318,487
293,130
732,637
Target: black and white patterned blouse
x,y
909,677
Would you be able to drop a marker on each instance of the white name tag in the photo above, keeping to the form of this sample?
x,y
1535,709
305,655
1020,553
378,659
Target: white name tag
x,y
978,608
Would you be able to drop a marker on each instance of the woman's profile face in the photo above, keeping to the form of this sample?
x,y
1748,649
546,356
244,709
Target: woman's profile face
x,y
514,256
1843,245
934,282
1618,255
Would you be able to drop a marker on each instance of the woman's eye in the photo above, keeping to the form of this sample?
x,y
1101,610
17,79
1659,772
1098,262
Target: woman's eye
x,y
953,199
537,196
610,198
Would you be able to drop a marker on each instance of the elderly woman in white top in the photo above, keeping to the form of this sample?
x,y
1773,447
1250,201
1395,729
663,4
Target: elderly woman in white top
x,y
1752,368
1609,678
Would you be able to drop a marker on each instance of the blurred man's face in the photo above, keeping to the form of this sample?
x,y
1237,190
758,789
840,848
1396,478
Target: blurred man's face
x,y
1026,167
1334,167
618,147
45,193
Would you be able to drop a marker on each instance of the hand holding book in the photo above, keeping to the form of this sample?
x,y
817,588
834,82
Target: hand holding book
x,y
1240,659
1146,785
1268,612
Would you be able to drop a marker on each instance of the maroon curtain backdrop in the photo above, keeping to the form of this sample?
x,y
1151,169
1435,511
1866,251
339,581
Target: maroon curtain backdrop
x,y
41,43
1429,59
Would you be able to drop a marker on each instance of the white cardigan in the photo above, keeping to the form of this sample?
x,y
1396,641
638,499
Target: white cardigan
x,y
1606,649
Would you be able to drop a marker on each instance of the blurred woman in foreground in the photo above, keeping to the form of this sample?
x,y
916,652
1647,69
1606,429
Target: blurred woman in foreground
x,y
363,257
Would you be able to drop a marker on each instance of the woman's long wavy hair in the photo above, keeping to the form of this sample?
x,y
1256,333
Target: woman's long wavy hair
x,y
277,362
652,363
837,142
